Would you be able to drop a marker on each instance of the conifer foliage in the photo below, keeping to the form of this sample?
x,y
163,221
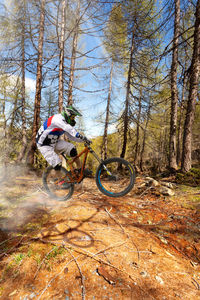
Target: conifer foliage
x,y
139,59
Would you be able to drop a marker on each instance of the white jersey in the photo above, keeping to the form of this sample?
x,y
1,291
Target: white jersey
x,y
53,128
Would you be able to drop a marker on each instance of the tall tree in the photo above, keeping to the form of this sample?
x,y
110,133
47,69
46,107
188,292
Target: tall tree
x,y
73,56
139,35
36,120
104,151
174,89
14,26
23,89
184,59
193,92
128,88
180,121
145,136
61,56
138,127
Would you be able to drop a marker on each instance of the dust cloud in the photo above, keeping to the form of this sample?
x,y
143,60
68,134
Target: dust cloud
x,y
22,199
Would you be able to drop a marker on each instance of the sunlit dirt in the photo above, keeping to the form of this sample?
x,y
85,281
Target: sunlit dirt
x,y
140,246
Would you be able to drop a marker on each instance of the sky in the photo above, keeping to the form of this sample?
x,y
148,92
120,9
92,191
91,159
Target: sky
x,y
91,104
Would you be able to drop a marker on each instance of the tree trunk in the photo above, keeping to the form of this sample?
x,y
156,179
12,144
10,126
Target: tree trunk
x,y
23,101
61,59
73,58
4,140
13,115
105,135
180,120
138,128
36,121
125,115
174,89
193,91
4,135
144,137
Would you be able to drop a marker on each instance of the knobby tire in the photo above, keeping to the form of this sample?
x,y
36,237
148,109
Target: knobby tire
x,y
122,180
49,187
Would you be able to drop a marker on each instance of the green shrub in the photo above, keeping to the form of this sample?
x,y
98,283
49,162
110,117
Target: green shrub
x,y
192,177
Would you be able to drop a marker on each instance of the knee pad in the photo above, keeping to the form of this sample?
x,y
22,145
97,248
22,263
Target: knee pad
x,y
58,167
73,152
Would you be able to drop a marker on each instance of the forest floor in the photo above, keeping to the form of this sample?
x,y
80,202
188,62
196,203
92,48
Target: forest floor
x,y
141,246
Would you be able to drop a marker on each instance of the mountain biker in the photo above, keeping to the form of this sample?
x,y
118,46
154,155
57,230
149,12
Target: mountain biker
x,y
48,137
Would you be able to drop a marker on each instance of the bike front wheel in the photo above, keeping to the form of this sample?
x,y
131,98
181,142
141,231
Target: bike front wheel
x,y
57,184
115,177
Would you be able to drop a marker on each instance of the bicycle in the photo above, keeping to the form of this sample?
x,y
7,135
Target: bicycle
x,y
115,177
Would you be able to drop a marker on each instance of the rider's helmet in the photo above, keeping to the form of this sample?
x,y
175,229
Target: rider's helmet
x,y
69,113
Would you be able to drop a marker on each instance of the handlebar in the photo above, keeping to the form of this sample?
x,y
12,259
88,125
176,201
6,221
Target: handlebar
x,y
86,141
84,138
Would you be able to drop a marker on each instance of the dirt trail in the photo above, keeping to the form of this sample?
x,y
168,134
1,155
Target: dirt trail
x,y
95,247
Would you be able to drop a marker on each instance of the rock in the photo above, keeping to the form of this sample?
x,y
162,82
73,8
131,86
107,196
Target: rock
x,y
158,187
168,184
142,185
163,240
66,292
144,274
13,293
166,191
159,279
155,183
151,181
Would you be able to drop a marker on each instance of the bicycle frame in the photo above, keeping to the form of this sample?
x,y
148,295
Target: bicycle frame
x,y
74,178
106,184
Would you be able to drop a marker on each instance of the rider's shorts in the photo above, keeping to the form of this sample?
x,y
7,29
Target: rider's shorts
x,y
50,153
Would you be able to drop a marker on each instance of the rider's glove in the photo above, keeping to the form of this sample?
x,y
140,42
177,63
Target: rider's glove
x,y
80,136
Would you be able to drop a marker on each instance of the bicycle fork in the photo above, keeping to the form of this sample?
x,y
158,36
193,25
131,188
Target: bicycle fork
x,y
101,162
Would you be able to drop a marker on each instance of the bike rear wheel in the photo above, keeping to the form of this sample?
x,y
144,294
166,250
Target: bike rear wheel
x,y
57,184
115,177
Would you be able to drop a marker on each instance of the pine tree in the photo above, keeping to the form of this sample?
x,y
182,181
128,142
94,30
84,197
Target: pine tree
x,y
36,121
193,90
174,89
